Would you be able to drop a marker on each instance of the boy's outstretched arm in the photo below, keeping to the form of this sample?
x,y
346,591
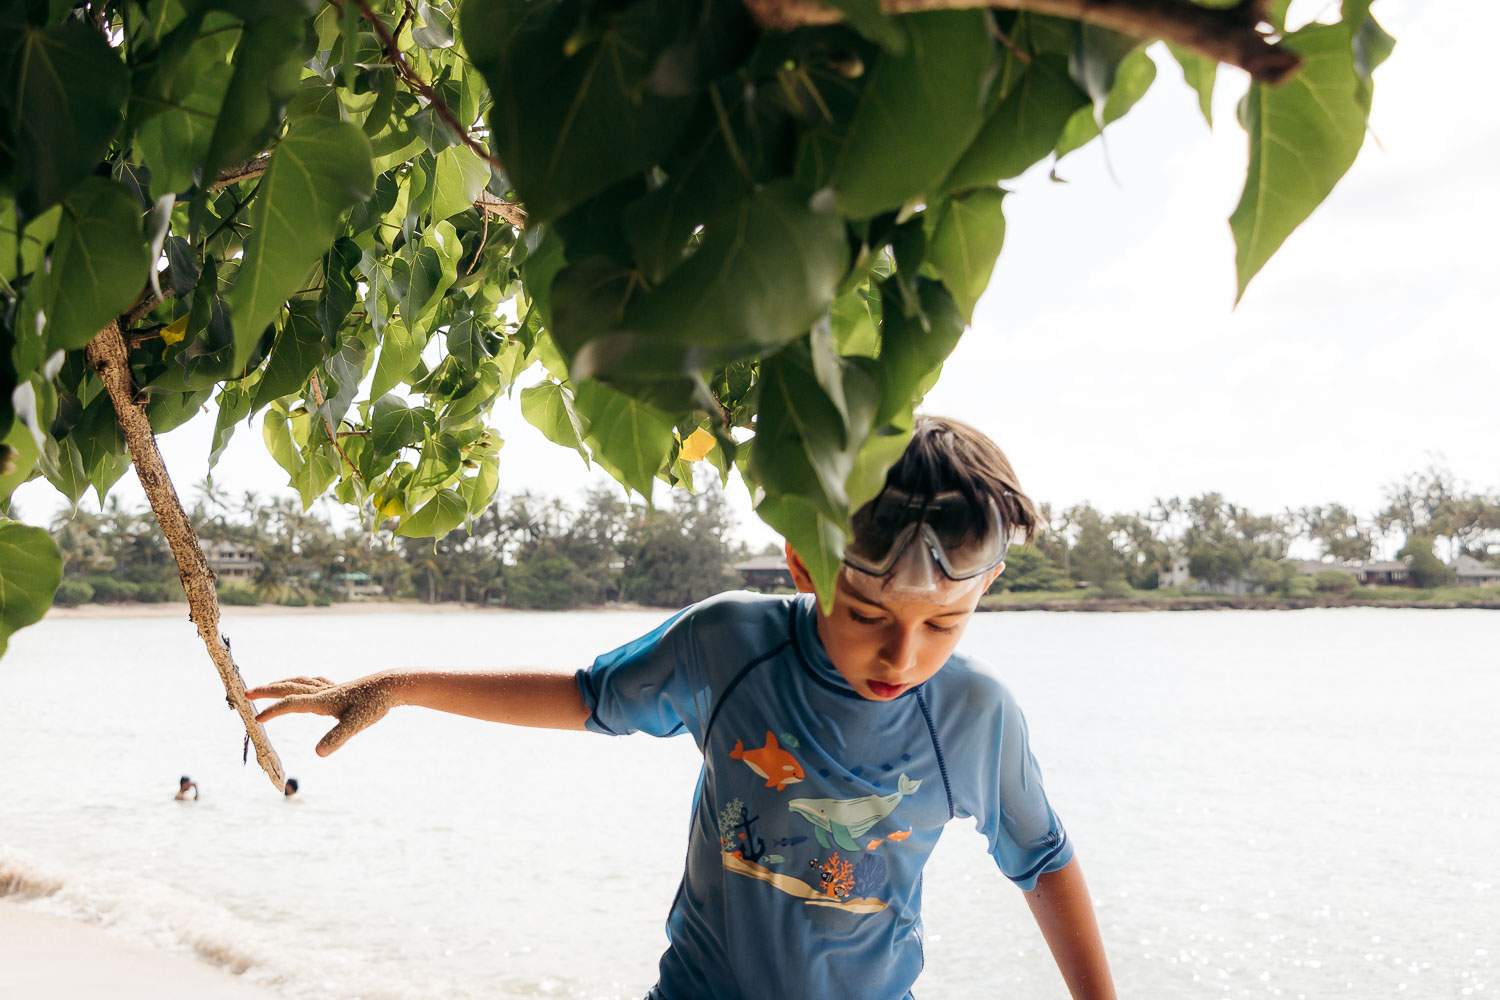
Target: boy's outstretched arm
x,y
520,698
1065,913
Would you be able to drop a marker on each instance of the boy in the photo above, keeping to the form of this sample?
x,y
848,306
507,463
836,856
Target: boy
x,y
835,747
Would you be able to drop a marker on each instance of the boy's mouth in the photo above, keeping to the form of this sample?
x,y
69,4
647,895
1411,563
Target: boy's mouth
x,y
882,690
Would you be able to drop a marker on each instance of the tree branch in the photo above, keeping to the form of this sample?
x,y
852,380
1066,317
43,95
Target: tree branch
x,y
1228,35
107,355
243,172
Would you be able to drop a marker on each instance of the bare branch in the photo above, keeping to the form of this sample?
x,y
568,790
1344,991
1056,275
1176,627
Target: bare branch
x,y
243,172
1228,35
404,70
107,355
317,392
509,211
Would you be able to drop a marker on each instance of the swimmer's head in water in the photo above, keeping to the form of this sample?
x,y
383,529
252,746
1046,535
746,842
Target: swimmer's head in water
x,y
184,781
291,787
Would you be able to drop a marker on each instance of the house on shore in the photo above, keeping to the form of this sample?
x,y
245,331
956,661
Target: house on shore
x,y
232,562
1369,572
766,573
1470,572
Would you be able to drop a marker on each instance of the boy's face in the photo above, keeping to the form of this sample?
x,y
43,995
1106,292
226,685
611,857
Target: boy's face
x,y
886,643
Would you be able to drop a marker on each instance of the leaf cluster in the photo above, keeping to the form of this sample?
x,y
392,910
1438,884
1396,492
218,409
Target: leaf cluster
x,y
363,220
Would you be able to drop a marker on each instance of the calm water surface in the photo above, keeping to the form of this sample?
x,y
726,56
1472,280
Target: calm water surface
x,y
1297,804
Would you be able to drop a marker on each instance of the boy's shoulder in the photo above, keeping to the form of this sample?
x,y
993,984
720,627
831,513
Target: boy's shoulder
x,y
968,680
742,608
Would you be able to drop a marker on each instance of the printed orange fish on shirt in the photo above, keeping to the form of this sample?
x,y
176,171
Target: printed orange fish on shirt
x,y
778,767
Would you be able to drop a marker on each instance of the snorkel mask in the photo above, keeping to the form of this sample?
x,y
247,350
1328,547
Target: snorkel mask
x,y
922,545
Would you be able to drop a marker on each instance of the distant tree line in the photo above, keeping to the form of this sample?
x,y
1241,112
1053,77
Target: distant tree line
x,y
524,551
530,551
1427,516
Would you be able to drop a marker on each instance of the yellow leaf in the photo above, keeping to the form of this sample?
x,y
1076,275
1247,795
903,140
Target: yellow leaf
x,y
175,330
698,444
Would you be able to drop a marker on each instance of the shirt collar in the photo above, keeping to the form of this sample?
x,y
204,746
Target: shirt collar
x,y
810,649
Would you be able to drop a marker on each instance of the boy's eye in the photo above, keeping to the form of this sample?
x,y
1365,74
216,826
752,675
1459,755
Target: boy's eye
x,y
863,619
934,626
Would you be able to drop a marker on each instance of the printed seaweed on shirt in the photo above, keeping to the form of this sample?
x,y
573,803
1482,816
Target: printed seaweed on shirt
x,y
869,875
842,822
771,762
737,832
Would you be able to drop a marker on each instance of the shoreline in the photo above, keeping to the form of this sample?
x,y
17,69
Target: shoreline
x,y
1226,602
45,955
1215,602
175,609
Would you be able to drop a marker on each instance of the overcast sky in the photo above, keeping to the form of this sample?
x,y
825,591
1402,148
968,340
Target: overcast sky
x,y
1108,358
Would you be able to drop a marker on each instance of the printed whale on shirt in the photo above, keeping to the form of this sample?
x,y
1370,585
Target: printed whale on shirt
x,y
778,767
844,820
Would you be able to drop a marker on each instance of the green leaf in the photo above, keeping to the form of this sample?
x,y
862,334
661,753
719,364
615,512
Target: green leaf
x,y
234,405
438,467
965,242
1133,78
295,353
399,353
1200,73
630,439
805,439
340,291
318,171
63,467
457,180
63,88
1023,128
573,109
917,113
818,540
170,410
479,489
1304,134
99,263
548,406
30,570
393,426
181,106
758,282
267,71
913,348
436,518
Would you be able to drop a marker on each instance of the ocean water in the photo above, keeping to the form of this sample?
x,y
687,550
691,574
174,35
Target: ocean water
x,y
1294,804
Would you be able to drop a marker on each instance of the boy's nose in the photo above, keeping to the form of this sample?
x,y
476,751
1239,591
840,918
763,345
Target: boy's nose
x,y
900,650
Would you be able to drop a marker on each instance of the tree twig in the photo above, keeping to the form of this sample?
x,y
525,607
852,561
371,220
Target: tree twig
x,y
243,172
108,357
1228,34
509,211
317,392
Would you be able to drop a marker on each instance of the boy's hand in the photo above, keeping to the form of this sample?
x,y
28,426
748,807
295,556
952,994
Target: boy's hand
x,y
356,704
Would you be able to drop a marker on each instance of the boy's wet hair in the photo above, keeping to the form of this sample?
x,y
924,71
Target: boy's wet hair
x,y
946,454
185,780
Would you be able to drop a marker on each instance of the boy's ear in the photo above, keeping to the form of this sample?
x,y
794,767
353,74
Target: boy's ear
x,y
800,576
994,575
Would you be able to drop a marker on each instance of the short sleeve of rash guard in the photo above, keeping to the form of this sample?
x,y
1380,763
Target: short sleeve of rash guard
x,y
645,686
1007,800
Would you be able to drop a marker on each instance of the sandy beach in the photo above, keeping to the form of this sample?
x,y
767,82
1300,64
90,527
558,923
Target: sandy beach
x,y
43,957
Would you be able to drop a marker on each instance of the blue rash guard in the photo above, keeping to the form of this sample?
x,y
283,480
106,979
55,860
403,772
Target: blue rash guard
x,y
816,808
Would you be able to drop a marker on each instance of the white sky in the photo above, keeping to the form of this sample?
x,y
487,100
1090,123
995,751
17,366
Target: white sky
x,y
1107,357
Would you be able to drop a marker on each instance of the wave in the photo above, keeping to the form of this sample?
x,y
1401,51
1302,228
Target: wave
x,y
150,913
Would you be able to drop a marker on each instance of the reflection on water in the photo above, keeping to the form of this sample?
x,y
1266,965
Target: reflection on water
x,y
1267,804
